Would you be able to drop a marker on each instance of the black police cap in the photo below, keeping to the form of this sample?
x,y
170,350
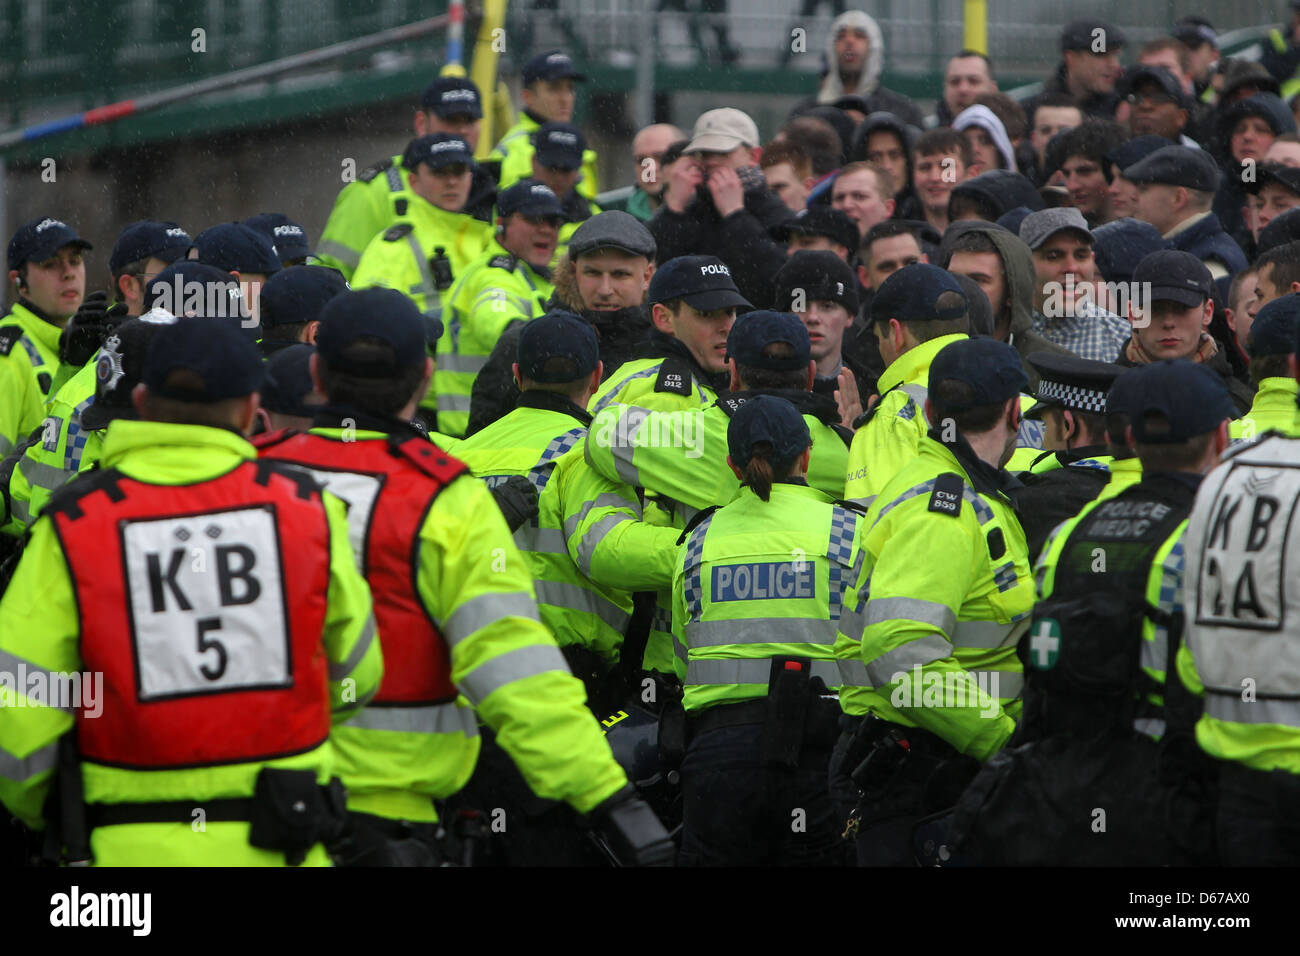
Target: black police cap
x,y
1067,381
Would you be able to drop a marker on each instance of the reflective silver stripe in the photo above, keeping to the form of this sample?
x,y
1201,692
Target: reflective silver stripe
x,y
20,510
335,249
451,402
760,630
1263,710
910,493
623,452
1151,726
986,634
609,499
394,179
41,475
20,769
864,502
595,534
434,719
854,674
479,612
340,671
459,362
611,396
542,540
925,650
911,609
427,286
50,682
510,667
1155,654
852,624
1010,684
6,446
680,650
919,394
751,671
575,597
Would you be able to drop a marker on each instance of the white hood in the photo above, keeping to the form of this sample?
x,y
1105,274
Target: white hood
x,y
832,88
986,119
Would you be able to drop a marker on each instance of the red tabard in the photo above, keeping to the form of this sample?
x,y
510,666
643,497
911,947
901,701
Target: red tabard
x,y
203,606
389,488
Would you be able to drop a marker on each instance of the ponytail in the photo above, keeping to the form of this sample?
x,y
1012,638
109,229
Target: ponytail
x,y
761,471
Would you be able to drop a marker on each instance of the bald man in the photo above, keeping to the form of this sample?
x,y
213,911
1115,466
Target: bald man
x,y
647,151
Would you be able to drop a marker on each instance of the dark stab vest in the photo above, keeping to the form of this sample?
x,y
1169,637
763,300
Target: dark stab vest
x,y
389,485
203,607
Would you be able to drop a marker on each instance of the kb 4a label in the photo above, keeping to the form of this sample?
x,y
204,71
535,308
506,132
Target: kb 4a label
x,y
207,603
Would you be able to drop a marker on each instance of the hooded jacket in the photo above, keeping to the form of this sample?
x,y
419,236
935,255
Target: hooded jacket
x,y
907,136
1001,190
868,86
1230,196
1018,274
985,119
622,335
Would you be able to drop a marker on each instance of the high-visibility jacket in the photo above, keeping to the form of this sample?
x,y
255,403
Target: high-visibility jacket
x,y
494,290
1124,473
1110,529
475,613
758,580
220,602
398,258
1241,647
364,207
588,529
1273,409
29,360
63,449
944,595
515,151
671,382
683,454
887,442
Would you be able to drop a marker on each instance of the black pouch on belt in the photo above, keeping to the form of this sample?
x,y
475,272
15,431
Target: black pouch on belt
x,y
292,813
788,697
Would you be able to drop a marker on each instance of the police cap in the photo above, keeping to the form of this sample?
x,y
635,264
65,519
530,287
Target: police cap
x,y
559,145
551,65
41,238
383,315
767,418
289,238
149,239
289,382
702,282
753,332
1173,400
1067,381
119,367
453,96
201,361
236,247
912,295
531,198
438,150
1275,327
991,369
557,347
298,294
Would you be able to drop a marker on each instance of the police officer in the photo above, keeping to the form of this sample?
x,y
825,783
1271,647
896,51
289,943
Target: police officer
x,y
289,396
435,241
548,95
46,266
454,598
693,302
246,254
382,193
1271,339
182,532
943,595
1240,647
915,313
1072,405
667,453
758,627
558,150
1110,586
291,304
289,238
509,282
588,547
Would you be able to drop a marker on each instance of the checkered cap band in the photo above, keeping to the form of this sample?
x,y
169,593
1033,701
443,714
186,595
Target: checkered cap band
x,y
1072,396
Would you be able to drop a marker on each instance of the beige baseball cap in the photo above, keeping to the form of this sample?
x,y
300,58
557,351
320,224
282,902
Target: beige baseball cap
x,y
721,131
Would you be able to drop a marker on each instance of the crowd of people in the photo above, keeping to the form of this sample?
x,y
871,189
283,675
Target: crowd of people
x,y
839,498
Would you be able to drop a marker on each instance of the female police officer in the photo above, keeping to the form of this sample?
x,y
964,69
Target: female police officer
x,y
757,596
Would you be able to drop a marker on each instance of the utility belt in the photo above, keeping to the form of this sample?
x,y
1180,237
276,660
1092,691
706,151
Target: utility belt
x,y
797,711
289,812
882,749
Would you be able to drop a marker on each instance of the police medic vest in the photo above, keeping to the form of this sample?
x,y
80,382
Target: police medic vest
x,y
389,485
1082,652
203,606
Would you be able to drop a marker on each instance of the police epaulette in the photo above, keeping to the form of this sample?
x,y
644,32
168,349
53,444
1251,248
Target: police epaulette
x,y
730,404
66,500
854,506
694,522
862,420
502,262
846,434
306,483
674,376
947,494
9,334
399,231
370,172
